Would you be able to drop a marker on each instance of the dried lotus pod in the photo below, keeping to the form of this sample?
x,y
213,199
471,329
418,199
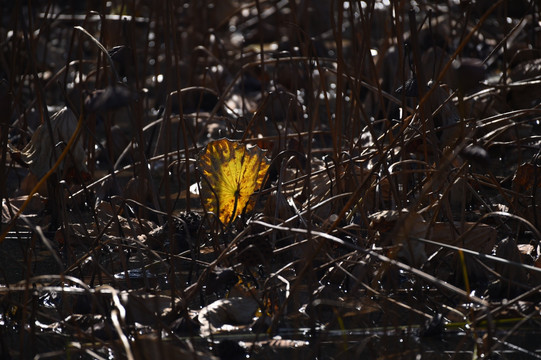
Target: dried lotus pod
x,y
475,154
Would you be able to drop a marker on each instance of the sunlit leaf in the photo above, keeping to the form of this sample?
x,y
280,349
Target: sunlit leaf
x,y
231,172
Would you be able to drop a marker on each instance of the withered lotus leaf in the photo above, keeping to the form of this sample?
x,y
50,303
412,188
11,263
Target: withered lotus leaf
x,y
231,173
39,153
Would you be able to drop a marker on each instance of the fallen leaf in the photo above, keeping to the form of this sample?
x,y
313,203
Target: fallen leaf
x,y
154,347
526,176
397,227
227,314
477,237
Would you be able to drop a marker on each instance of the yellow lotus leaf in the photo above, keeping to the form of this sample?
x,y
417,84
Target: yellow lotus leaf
x,y
231,173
